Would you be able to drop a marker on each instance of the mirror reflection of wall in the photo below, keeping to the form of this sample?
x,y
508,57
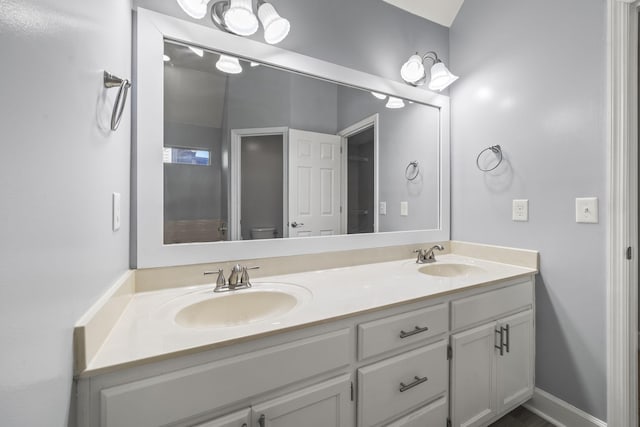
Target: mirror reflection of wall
x,y
255,123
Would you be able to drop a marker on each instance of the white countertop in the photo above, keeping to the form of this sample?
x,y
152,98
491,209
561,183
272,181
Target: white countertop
x,y
147,331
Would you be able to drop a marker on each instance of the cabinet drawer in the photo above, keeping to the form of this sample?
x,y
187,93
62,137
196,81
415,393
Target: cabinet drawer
x,y
396,331
171,397
421,374
475,309
434,414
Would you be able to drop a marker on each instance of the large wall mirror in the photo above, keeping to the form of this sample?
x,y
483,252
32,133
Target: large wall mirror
x,y
245,150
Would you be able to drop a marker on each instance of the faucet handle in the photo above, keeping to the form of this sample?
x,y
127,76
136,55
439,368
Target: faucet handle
x,y
220,281
244,278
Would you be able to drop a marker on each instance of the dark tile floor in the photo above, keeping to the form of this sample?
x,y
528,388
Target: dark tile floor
x,y
520,417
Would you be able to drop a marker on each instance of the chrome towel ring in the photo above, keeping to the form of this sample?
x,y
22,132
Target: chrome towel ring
x,y
121,99
412,170
495,149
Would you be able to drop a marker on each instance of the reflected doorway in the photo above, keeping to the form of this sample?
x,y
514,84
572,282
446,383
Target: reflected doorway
x,y
258,208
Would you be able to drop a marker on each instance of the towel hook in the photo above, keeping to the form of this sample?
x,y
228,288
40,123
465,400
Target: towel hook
x,y
121,99
495,149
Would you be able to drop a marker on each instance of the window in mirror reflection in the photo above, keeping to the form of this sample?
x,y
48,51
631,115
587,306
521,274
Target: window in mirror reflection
x,y
289,155
186,156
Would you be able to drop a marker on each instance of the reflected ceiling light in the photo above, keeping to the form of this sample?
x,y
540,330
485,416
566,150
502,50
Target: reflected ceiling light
x,y
413,72
229,64
394,103
197,51
237,17
166,58
194,8
379,95
254,64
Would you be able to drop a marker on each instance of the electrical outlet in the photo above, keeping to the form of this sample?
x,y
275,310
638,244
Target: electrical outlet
x,y
587,210
383,208
116,211
404,208
520,210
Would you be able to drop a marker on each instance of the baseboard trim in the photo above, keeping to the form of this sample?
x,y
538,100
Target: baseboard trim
x,y
559,412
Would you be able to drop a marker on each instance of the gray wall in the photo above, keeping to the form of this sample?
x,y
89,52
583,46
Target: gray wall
x,y
58,253
533,81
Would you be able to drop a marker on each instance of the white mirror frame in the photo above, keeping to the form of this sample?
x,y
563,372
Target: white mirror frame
x,y
148,249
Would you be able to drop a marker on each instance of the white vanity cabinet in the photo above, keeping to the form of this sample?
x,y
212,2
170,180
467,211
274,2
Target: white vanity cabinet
x,y
324,405
492,367
464,358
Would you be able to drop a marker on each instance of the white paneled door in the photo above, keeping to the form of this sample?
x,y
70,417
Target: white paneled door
x,y
314,184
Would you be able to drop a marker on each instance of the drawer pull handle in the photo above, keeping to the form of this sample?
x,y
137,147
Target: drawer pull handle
x,y
261,420
417,330
417,381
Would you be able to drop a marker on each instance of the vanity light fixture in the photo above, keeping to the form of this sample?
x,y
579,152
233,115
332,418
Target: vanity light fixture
x,y
394,103
229,64
379,95
413,72
237,17
194,8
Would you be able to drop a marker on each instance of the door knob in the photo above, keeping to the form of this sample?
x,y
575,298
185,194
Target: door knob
x,y
296,224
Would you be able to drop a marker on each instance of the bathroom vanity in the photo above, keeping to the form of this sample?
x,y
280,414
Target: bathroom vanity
x,y
392,343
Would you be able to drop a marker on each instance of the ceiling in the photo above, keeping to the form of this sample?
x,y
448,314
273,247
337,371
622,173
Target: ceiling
x,y
442,12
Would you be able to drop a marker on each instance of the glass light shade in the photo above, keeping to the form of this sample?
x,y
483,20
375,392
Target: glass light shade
x,y
194,8
394,103
229,64
441,77
379,95
240,19
275,27
413,70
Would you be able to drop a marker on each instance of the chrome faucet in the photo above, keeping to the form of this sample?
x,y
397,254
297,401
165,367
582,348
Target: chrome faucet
x,y
238,279
427,256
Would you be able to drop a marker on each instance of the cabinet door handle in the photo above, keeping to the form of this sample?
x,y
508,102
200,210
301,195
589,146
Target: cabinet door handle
x,y
261,420
501,346
507,338
417,381
244,424
417,330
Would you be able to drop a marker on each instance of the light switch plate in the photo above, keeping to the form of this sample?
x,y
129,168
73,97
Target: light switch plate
x,y
520,210
587,210
116,211
383,208
404,208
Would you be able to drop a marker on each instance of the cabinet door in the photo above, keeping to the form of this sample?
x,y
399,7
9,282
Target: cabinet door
x,y
515,366
432,415
324,405
473,379
237,419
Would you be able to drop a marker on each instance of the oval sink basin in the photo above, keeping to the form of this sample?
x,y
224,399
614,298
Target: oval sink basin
x,y
236,309
450,270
